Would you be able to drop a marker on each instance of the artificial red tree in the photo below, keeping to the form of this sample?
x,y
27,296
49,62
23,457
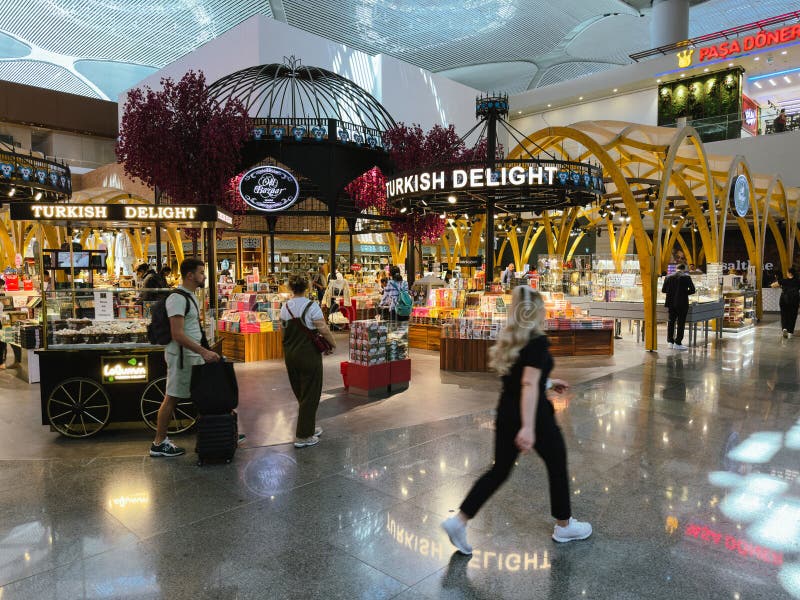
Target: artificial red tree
x,y
182,142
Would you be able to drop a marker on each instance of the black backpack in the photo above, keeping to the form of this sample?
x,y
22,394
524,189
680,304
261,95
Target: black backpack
x,y
158,331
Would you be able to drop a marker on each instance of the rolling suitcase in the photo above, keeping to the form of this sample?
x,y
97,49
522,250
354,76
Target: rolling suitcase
x,y
217,437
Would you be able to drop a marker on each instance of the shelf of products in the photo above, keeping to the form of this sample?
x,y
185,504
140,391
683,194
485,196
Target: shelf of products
x,y
739,311
379,362
572,277
250,328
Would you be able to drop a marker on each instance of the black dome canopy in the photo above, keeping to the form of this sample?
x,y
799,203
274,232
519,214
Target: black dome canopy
x,y
295,91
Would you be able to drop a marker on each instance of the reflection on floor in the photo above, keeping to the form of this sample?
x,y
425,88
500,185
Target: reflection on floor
x,y
686,464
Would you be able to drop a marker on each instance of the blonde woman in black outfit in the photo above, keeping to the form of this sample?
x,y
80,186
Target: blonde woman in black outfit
x,y
790,301
525,421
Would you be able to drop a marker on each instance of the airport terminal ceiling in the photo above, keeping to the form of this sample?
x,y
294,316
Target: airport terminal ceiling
x,y
99,48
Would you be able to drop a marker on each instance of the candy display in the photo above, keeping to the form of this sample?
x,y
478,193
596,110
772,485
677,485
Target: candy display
x,y
86,331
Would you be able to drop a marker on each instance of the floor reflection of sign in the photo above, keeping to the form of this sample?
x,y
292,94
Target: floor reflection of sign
x,y
103,306
124,369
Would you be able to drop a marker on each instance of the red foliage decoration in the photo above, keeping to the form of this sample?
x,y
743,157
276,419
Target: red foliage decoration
x,y
412,148
182,141
425,227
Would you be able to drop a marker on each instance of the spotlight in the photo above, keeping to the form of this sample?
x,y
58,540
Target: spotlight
x,y
519,230
466,216
403,209
38,196
451,199
11,192
628,219
443,216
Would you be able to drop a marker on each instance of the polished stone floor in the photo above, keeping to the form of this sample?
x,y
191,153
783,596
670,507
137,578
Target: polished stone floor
x,y
687,465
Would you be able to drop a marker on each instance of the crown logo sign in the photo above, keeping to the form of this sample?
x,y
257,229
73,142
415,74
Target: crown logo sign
x,y
685,58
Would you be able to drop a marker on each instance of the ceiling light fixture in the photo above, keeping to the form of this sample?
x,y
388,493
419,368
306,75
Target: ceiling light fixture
x,y
705,70
580,97
549,105
758,85
683,75
658,81
783,52
451,199
11,192
786,79
38,196
615,90
772,82
730,64
757,58
403,209
443,216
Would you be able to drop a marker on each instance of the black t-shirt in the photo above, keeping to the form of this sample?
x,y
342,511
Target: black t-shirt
x,y
791,286
535,354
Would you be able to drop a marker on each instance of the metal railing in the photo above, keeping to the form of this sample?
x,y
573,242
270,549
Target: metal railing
x,y
714,129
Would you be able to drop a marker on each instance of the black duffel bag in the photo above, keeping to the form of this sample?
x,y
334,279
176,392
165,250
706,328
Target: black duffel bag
x,y
214,388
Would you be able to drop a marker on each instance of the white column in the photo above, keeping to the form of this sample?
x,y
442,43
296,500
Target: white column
x,y
669,22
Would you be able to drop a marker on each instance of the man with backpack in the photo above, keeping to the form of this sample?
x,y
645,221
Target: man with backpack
x,y
396,302
186,346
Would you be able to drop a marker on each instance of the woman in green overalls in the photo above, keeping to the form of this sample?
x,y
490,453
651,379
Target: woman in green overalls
x,y
303,360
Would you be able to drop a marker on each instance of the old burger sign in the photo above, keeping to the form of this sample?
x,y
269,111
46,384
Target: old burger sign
x,y
758,41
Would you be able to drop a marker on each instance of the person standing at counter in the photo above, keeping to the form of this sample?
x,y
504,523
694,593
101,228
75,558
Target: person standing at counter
x,y
183,352
789,302
508,275
678,287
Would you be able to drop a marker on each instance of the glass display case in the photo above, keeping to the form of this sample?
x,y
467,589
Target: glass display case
x,y
86,318
375,342
572,277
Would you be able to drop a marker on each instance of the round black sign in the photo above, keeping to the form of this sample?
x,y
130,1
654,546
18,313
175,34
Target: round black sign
x,y
269,189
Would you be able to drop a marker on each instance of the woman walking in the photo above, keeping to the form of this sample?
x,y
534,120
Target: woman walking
x,y
525,420
790,301
303,360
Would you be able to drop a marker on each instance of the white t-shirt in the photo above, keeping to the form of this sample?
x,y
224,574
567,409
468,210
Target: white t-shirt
x,y
298,305
176,307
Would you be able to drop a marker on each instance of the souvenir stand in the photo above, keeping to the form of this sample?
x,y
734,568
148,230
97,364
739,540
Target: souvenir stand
x,y
96,365
433,303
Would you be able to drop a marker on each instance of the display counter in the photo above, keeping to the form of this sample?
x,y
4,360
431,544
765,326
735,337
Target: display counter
x,y
379,364
250,329
740,315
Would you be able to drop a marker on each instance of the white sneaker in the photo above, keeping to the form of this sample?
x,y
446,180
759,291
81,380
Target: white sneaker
x,y
576,530
318,431
670,345
457,532
785,333
681,347
304,442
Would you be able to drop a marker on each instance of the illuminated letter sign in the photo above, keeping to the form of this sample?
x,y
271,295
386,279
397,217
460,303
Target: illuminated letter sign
x,y
269,189
123,369
758,41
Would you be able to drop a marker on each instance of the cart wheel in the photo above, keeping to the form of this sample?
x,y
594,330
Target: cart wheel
x,y
78,407
185,413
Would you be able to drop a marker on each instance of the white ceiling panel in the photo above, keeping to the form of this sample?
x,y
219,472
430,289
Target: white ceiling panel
x,y
100,47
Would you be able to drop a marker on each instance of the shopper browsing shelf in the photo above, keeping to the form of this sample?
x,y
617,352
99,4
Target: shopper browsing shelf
x,y
3,345
183,352
508,275
525,420
678,287
392,293
789,301
303,359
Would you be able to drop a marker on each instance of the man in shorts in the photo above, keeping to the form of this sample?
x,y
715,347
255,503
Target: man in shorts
x,y
187,335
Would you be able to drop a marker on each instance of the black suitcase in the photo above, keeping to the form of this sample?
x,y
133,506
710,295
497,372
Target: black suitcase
x,y
217,437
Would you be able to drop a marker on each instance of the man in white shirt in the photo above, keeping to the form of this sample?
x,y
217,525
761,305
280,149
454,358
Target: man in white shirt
x,y
183,352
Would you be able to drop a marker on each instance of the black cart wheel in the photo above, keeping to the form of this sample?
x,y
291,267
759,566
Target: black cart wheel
x,y
78,407
185,413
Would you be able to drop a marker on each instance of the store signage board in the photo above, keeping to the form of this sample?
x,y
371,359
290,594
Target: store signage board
x,y
470,261
124,369
269,189
471,179
37,211
740,196
103,306
731,48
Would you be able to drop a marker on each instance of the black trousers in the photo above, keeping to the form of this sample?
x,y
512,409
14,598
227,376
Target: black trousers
x,y
677,316
789,305
549,446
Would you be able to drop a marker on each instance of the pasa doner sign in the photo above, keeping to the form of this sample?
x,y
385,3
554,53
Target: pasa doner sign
x,y
269,189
